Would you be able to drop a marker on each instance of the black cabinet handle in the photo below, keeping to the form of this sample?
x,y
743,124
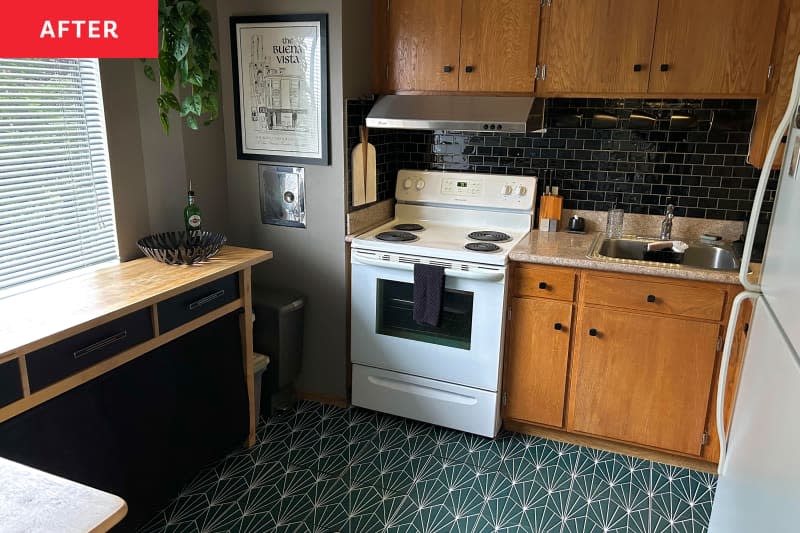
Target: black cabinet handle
x,y
664,67
209,298
557,326
651,298
593,332
447,68
746,327
469,68
637,67
100,344
542,285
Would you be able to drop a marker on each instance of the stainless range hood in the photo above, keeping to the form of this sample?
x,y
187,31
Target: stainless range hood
x,y
513,114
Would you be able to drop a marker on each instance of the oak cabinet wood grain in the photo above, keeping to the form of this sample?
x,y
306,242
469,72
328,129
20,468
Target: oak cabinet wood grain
x,y
423,45
772,107
713,46
459,45
602,46
498,45
544,282
538,352
642,379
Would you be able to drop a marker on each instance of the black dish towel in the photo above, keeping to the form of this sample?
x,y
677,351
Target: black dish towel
x,y
428,294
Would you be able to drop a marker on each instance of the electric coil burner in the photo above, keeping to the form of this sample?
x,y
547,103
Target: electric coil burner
x,y
409,227
481,247
495,236
396,236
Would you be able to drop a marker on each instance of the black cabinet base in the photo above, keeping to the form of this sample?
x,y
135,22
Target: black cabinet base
x,y
144,430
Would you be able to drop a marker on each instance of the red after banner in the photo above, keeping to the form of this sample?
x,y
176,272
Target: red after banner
x,y
79,28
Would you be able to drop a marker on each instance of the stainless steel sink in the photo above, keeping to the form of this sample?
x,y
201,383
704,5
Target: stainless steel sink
x,y
717,256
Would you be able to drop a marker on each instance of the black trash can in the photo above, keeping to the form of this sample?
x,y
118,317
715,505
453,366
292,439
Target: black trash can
x,y
278,333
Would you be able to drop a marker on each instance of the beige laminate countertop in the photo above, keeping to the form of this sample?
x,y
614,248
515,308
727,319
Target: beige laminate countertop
x,y
570,250
32,501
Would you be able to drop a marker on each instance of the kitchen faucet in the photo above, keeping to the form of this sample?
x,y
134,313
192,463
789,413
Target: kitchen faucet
x,y
666,224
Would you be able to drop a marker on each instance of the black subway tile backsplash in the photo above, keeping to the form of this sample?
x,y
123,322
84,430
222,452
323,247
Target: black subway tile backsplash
x,y
703,170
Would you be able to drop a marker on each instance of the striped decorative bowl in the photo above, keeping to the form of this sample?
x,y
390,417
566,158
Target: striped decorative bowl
x,y
180,248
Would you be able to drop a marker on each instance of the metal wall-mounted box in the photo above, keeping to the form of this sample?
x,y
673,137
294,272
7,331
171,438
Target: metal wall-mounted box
x,y
282,193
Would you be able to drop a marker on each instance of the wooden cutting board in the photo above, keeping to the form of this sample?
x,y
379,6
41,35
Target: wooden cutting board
x,y
364,170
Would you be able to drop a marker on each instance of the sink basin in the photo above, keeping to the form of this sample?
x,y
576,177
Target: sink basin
x,y
716,256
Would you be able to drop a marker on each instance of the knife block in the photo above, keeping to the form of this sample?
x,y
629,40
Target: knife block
x,y
550,208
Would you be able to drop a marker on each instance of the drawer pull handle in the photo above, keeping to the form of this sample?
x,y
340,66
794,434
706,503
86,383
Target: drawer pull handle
x,y
664,67
209,298
557,326
447,69
543,285
593,332
651,298
637,67
100,344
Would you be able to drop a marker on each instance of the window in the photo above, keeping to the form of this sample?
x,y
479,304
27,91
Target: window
x,y
56,207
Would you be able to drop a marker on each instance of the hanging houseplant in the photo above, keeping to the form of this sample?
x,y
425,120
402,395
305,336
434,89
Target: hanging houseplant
x,y
187,60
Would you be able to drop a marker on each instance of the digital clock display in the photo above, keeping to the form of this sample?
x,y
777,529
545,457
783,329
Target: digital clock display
x,y
461,184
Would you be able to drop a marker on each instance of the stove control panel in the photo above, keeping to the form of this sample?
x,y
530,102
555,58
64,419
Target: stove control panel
x,y
456,188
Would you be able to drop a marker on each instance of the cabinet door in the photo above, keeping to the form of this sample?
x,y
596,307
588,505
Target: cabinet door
x,y
595,47
713,46
642,379
536,360
498,45
773,106
423,44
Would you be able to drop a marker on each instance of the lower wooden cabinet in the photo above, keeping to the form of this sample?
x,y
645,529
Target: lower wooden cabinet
x,y
538,352
642,378
623,359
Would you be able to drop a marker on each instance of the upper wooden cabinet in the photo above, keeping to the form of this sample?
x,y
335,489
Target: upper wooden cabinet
x,y
602,46
713,46
458,45
423,44
771,108
498,45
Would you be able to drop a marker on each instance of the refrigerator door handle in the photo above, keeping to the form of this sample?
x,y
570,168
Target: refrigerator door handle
x,y
774,145
727,348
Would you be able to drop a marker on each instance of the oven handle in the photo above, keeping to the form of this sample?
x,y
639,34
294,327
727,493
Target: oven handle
x,y
480,276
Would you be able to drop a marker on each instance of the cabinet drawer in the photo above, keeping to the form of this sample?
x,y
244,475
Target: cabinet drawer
x,y
197,302
694,302
545,282
10,382
62,359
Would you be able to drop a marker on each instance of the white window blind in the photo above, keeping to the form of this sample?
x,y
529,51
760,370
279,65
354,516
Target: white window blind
x,y
56,207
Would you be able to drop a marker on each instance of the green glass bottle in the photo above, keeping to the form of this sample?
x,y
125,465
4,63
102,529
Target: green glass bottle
x,y
191,214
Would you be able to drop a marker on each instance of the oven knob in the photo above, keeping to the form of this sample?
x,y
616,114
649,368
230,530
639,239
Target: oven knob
x,y
506,190
407,184
420,184
521,190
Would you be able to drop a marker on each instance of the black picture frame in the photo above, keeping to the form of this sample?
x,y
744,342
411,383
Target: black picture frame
x,y
280,123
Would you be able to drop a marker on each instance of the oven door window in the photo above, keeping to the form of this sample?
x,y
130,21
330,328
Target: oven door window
x,y
395,316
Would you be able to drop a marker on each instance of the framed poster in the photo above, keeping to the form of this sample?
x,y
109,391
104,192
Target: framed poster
x,y
280,85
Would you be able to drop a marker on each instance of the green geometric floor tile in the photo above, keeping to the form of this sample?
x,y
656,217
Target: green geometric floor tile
x,y
321,469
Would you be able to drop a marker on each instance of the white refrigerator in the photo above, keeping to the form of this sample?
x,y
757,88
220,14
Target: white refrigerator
x,y
759,482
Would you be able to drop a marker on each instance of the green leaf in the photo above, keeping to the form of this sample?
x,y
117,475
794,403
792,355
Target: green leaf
x,y
166,67
186,9
164,122
172,101
195,77
191,121
182,47
198,104
183,69
148,71
187,105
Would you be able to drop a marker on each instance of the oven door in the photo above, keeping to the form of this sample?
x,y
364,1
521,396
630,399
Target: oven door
x,y
465,348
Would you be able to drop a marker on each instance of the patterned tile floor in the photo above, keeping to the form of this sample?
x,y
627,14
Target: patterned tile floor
x,y
323,469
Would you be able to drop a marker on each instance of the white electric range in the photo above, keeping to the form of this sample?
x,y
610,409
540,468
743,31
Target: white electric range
x,y
447,374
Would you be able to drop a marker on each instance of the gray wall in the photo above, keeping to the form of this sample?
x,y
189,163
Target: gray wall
x,y
150,171
311,260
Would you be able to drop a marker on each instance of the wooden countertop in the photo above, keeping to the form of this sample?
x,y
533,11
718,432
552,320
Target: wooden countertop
x,y
32,501
36,318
